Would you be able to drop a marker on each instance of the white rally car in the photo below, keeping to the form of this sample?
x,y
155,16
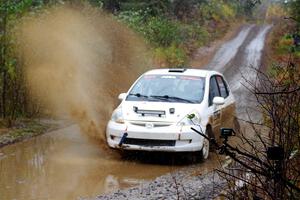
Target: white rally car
x,y
155,114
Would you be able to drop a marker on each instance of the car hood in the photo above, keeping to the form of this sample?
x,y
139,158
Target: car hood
x,y
157,111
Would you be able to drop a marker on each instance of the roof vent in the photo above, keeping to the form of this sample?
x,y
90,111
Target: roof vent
x,y
179,70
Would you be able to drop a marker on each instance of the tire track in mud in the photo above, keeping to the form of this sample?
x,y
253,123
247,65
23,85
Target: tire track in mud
x,y
247,73
229,50
238,61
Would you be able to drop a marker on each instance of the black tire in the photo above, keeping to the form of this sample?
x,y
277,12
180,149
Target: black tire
x,y
205,149
210,134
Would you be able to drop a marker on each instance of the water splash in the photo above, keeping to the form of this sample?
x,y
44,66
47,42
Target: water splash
x,y
77,60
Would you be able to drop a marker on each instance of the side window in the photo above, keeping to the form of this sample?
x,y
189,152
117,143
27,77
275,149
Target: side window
x,y
213,90
222,86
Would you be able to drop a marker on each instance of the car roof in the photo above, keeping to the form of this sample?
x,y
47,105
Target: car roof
x,y
182,71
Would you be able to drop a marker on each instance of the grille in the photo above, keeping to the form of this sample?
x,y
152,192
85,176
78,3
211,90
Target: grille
x,y
148,142
155,125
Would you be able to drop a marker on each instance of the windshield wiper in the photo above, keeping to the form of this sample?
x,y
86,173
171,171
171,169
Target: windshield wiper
x,y
167,97
138,95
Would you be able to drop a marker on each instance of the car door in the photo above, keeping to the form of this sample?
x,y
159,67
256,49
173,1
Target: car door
x,y
228,109
215,117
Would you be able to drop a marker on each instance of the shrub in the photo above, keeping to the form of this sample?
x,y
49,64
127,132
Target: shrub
x,y
217,10
163,32
134,19
194,33
170,56
286,45
158,31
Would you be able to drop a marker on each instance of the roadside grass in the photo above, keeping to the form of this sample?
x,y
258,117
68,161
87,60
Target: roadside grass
x,y
24,129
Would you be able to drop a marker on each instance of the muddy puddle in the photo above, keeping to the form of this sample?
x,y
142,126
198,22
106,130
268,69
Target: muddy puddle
x,y
65,164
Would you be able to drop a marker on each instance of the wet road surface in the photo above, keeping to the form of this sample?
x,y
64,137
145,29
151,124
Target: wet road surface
x,y
65,164
238,59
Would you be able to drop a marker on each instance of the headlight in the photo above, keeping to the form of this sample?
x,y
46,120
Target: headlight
x,y
117,116
188,121
185,122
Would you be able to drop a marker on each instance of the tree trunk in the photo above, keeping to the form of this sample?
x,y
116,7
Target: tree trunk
x,y
4,88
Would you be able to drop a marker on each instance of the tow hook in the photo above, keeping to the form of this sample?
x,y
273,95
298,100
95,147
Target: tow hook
x,y
123,139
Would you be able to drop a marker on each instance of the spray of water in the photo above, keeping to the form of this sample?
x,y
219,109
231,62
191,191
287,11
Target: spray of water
x,y
77,60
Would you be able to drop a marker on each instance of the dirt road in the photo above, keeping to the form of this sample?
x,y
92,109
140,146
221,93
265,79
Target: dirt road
x,y
237,59
66,165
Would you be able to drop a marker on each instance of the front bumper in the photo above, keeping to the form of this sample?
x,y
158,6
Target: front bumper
x,y
183,139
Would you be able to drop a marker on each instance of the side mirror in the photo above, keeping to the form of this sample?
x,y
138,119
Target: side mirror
x,y
122,96
218,100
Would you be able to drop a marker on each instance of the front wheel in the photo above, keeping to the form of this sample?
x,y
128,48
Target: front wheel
x,y
205,149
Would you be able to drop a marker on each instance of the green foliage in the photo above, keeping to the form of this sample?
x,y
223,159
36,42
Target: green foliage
x,y
154,7
12,89
97,3
217,10
163,32
135,20
158,31
247,6
166,35
170,56
194,33
285,45
295,11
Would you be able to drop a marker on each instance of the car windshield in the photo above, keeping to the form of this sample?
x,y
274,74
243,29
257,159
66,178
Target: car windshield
x,y
168,88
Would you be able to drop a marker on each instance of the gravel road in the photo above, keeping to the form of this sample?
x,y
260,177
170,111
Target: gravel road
x,y
183,184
